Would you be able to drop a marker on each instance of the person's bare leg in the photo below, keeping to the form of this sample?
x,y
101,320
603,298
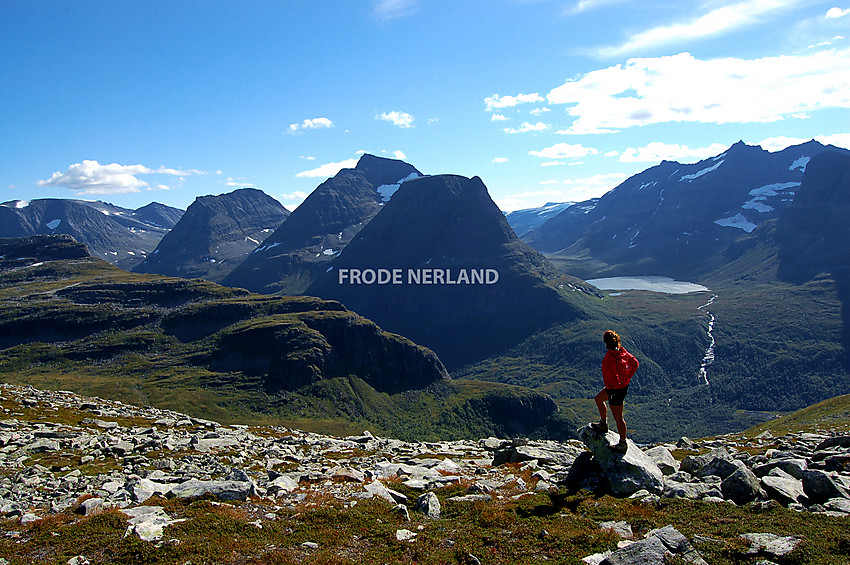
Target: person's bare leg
x,y
617,411
600,399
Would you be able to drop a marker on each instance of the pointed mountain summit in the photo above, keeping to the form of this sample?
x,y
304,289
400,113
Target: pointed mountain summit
x,y
677,219
118,235
215,234
290,258
441,265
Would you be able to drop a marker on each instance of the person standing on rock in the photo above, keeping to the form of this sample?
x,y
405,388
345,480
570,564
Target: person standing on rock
x,y
618,367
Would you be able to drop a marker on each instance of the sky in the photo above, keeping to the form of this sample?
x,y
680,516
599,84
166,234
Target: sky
x,y
133,102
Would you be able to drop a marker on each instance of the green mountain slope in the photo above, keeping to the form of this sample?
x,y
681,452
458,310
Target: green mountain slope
x,y
68,321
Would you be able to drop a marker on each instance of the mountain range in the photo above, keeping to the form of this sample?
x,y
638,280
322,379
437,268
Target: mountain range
x,y
433,259
677,219
291,257
118,235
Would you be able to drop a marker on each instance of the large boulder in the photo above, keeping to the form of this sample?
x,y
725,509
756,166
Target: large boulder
x,y
626,472
821,486
742,486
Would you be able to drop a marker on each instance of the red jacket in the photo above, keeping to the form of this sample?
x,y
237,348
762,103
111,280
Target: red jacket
x,y
618,366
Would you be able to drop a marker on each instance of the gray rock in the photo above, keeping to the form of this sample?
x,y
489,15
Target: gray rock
x,y
622,529
693,464
837,441
90,506
664,459
741,487
429,505
820,486
720,467
626,473
771,545
225,490
782,487
793,466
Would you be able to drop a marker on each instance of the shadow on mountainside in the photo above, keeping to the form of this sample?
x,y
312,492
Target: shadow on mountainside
x,y
813,232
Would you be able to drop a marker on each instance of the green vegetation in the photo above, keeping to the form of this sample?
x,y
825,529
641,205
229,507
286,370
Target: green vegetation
x,y
223,354
555,527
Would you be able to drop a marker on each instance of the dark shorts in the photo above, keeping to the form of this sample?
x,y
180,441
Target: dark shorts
x,y
616,396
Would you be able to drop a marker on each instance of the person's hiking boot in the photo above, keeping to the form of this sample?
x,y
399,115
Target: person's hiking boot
x,y
599,427
620,447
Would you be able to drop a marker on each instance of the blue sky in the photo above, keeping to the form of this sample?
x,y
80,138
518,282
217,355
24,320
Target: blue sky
x,y
545,100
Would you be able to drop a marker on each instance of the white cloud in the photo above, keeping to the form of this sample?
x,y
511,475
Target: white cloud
x,y
837,13
564,151
240,182
297,195
781,142
495,101
314,123
682,88
90,177
527,127
541,110
657,151
396,154
392,9
498,118
553,163
585,5
328,169
718,21
500,160
400,119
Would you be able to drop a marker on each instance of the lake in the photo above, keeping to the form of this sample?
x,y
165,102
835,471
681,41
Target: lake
x,y
653,284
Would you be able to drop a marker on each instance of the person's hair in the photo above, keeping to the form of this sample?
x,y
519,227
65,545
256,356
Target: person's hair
x,y
611,339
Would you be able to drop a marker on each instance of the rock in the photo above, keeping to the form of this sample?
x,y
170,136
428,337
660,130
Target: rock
x,y
837,441
78,560
720,467
622,529
693,464
90,507
684,443
377,488
782,487
820,486
654,550
429,505
405,535
771,545
281,484
626,473
741,487
147,522
664,459
225,490
793,466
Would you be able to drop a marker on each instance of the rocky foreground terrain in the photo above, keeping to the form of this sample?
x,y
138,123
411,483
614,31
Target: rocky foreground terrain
x,y
67,461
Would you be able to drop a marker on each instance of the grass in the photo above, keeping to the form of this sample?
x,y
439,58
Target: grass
x,y
555,527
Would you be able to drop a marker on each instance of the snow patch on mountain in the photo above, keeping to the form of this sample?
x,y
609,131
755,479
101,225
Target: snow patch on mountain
x,y
701,172
768,191
800,164
53,224
737,221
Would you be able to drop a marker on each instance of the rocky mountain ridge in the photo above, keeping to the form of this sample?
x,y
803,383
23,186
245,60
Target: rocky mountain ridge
x,y
64,455
118,235
677,219
215,234
291,257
